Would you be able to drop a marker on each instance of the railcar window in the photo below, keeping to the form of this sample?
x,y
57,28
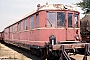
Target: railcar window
x,y
26,24
51,19
31,22
69,19
22,24
76,20
11,29
60,19
19,26
6,31
15,27
37,20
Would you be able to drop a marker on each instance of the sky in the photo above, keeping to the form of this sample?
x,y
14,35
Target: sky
x,y
13,10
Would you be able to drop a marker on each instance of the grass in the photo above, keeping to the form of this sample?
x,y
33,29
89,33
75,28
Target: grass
x,y
9,56
21,57
14,55
0,46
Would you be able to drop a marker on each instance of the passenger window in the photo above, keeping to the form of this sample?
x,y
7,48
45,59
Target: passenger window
x,y
11,29
22,25
60,19
76,20
26,24
6,31
19,26
37,20
69,19
15,27
51,19
31,22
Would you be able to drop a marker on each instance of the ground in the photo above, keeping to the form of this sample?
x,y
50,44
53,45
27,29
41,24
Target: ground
x,y
9,52
79,57
6,52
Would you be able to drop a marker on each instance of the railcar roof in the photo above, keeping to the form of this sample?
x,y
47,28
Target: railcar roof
x,y
52,7
48,7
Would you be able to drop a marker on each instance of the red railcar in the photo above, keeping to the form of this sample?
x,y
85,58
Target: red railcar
x,y
54,20
35,28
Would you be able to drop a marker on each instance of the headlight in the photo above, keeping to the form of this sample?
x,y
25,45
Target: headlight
x,y
77,37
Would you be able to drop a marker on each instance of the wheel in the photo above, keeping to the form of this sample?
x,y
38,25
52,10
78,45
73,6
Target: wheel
x,y
43,54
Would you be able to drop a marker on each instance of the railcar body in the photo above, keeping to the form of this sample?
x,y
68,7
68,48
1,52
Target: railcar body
x,y
35,28
46,30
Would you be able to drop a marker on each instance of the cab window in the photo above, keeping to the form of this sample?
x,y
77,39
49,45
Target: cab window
x,y
51,19
60,19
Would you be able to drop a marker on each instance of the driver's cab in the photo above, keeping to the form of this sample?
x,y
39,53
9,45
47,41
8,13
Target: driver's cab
x,y
64,19
61,20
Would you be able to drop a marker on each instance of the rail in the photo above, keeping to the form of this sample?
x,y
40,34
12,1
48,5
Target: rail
x,y
64,54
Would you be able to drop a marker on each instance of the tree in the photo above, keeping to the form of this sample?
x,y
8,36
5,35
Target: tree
x,y
85,6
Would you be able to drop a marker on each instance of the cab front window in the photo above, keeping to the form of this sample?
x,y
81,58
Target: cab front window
x,y
51,19
60,19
